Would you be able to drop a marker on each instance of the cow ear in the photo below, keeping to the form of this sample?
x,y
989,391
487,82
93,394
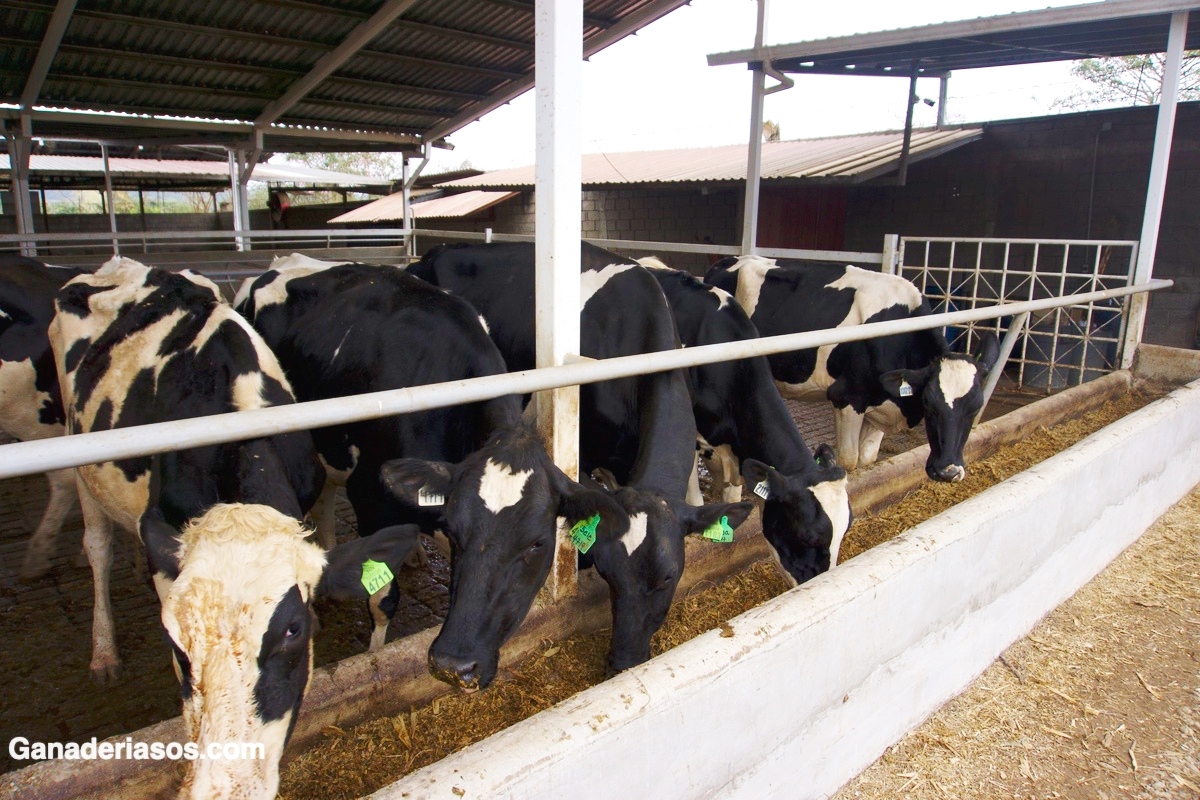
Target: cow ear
x,y
580,504
987,352
161,541
420,482
904,382
825,457
347,573
698,519
763,480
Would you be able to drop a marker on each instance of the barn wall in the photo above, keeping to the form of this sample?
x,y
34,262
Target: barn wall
x,y
1034,178
812,686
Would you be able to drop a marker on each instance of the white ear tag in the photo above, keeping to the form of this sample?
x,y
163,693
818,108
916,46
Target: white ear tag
x,y
762,490
905,389
428,497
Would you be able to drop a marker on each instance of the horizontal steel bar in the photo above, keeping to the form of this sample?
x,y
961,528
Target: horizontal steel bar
x,y
1105,242
673,247
27,458
154,236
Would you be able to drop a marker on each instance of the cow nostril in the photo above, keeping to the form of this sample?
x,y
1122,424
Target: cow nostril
x,y
457,671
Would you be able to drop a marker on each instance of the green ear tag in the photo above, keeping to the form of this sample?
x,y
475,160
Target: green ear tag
x,y
583,533
719,532
375,576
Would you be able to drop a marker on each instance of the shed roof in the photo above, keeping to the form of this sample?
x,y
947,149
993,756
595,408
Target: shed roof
x,y
1091,30
311,74
135,171
391,208
837,159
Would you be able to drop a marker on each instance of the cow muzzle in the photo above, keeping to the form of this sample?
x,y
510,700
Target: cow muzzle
x,y
951,473
458,672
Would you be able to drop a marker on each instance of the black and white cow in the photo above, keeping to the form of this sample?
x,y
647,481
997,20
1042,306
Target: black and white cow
x,y
878,385
740,416
475,471
220,524
638,430
30,402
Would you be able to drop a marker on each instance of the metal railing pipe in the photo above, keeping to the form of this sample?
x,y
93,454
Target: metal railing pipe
x,y
27,458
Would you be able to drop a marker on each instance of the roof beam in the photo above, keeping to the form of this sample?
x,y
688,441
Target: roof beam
x,y
589,20
357,40
50,41
1090,12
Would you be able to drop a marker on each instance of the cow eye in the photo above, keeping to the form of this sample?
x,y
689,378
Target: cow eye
x,y
292,631
538,545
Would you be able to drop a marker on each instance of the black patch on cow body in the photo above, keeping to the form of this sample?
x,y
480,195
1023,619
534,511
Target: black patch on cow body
x,y
283,659
75,354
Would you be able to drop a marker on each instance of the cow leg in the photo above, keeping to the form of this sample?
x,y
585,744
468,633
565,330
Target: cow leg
x,y
97,543
847,424
694,497
868,444
41,544
417,557
380,618
323,515
726,464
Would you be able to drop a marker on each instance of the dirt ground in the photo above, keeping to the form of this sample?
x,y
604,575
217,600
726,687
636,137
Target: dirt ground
x,y
1101,700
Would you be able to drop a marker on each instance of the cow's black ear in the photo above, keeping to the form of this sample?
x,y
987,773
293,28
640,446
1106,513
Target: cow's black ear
x,y
583,504
904,382
825,457
161,541
344,575
701,518
764,481
987,352
420,482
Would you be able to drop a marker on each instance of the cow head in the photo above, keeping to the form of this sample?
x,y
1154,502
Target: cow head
x,y
236,588
499,508
951,393
805,515
642,565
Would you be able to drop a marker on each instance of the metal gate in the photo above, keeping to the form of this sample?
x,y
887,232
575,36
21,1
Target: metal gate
x,y
1059,348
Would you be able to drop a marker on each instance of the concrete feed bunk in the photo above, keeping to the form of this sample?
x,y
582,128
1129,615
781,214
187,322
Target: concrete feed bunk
x,y
370,685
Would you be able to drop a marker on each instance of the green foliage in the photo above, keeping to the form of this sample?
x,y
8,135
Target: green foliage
x,y
375,165
1129,81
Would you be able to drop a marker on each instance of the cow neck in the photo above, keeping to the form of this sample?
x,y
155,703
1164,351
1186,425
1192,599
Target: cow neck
x,y
767,432
667,436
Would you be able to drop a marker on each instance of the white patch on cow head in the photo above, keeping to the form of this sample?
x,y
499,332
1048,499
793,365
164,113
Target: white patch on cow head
x,y
593,280
237,562
500,486
722,295
831,495
873,292
956,377
636,534
752,271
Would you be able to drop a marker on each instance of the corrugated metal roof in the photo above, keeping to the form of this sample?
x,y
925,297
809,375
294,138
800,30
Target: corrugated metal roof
x,y
429,67
166,168
391,208
835,159
1088,30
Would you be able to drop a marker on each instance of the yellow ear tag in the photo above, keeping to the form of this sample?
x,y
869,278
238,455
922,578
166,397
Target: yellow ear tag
x,y
719,532
583,533
375,576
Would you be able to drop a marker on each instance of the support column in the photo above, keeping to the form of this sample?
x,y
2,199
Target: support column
x,y
108,199
18,158
558,53
943,96
1164,134
902,175
235,198
754,151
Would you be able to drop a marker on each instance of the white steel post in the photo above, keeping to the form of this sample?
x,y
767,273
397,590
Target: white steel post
x,y
108,194
19,146
406,205
1155,192
891,243
754,151
558,54
235,196
943,96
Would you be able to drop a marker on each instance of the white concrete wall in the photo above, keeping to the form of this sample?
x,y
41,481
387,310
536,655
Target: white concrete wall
x,y
816,683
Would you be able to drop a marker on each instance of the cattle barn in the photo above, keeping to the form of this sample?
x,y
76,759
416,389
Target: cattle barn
x,y
402,76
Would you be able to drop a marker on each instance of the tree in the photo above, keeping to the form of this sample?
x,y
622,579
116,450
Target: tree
x,y
375,165
1128,80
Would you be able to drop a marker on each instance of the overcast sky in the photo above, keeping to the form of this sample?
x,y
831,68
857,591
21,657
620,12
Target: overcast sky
x,y
655,90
